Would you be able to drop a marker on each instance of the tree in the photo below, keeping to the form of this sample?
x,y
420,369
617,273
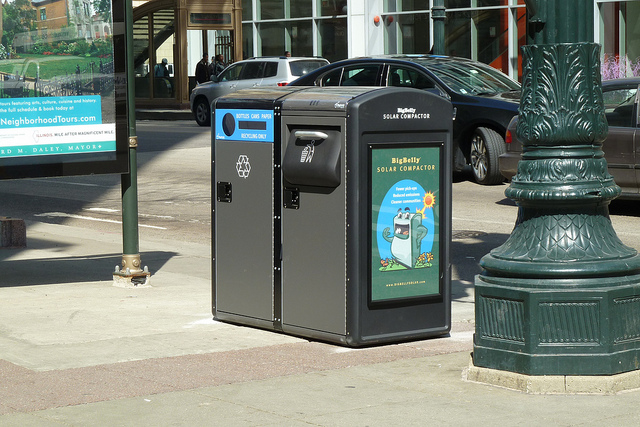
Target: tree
x,y
103,7
17,17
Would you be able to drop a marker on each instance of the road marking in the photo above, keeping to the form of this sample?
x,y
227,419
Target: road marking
x,y
82,184
90,218
107,210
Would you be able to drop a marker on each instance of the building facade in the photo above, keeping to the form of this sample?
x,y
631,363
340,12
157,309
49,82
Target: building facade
x,y
490,31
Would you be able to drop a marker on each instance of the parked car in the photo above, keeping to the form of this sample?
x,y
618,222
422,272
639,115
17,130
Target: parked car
x,y
253,72
620,98
484,99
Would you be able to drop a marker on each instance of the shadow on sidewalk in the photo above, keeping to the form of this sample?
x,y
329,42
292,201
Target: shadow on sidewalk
x,y
68,269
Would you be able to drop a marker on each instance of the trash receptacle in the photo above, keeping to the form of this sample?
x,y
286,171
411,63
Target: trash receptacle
x,y
359,227
246,139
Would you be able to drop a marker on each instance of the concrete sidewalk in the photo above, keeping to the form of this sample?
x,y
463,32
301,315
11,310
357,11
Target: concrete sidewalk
x,y
75,350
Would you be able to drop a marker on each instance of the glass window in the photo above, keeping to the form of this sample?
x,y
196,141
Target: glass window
x,y
230,74
454,4
409,5
458,34
414,33
406,77
301,8
302,67
332,78
141,57
253,70
472,78
333,8
43,14
333,38
619,106
492,37
272,36
163,36
247,41
363,75
247,10
301,35
271,69
486,3
271,9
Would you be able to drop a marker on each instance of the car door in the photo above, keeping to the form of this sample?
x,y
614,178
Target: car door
x,y
367,74
227,81
620,147
403,76
252,74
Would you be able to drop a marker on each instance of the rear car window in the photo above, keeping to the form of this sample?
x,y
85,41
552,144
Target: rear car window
x,y
300,68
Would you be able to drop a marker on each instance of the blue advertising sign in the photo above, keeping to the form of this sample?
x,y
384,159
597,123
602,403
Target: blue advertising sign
x,y
63,93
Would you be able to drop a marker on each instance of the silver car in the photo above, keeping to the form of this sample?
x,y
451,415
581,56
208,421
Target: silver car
x,y
250,73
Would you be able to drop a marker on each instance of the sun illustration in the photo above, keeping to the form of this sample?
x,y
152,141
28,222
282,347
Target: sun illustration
x,y
429,201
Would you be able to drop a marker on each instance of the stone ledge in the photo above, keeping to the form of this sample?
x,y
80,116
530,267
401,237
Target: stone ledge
x,y
553,384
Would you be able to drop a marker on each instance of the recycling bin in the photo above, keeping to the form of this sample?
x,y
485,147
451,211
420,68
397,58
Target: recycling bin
x,y
343,231
246,139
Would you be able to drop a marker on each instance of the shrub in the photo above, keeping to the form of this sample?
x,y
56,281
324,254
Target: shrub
x,y
616,67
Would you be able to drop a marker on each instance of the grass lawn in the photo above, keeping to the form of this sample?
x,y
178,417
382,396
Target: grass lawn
x,y
50,65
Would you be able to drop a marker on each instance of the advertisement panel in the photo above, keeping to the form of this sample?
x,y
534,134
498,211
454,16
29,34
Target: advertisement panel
x,y
405,222
62,88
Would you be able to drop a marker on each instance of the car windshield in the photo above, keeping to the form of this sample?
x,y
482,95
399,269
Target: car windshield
x,y
300,68
470,78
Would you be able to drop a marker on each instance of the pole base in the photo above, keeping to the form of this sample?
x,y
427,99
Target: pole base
x,y
583,326
554,384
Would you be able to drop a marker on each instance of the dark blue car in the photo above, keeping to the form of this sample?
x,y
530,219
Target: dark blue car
x,y
484,99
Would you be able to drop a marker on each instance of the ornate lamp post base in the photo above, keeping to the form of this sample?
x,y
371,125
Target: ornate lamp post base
x,y
588,326
562,295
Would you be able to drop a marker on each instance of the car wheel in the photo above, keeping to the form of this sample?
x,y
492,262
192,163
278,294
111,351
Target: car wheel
x,y
202,112
486,146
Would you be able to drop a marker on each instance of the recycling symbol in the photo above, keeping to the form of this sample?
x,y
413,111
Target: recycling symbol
x,y
243,166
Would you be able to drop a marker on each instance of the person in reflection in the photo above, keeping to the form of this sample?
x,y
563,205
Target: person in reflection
x,y
161,69
202,69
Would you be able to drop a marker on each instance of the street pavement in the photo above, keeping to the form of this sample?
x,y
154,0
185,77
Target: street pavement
x,y
75,350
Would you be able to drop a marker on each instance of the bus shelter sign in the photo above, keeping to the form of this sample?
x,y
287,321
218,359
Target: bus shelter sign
x,y
62,91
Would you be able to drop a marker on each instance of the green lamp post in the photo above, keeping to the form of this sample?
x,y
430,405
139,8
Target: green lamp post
x,y
562,295
130,272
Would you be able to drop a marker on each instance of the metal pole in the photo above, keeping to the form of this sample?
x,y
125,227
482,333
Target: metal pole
x,y
438,16
131,265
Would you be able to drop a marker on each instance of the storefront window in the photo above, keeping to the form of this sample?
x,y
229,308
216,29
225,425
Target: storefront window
x,y
300,8
247,10
141,57
488,3
458,34
492,37
409,5
272,36
247,41
271,9
414,33
301,34
620,33
333,38
163,69
333,7
455,4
